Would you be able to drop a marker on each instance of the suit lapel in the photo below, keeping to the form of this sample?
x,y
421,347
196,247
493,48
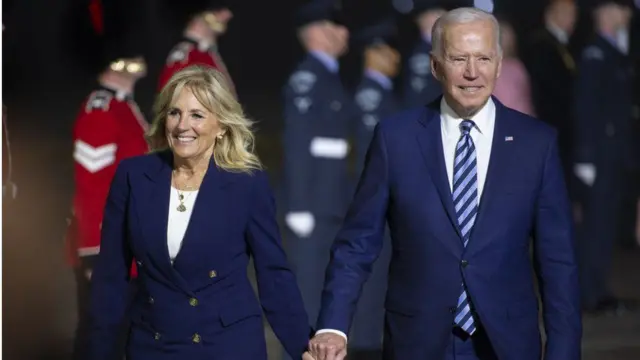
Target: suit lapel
x,y
430,140
154,215
495,182
206,218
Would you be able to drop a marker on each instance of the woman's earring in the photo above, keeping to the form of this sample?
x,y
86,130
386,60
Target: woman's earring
x,y
219,136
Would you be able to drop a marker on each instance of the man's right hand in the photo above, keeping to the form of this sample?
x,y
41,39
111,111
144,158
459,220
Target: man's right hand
x,y
328,346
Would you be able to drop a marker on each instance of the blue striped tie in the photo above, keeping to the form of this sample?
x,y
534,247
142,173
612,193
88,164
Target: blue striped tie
x,y
465,201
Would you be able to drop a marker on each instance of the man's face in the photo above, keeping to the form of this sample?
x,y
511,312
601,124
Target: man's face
x,y
469,65
565,15
386,59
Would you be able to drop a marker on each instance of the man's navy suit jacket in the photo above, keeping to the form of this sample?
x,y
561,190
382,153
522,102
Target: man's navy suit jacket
x,y
405,183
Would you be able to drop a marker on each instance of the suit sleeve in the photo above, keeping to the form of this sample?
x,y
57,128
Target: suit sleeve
x,y
110,280
300,113
95,153
359,242
587,107
556,263
279,294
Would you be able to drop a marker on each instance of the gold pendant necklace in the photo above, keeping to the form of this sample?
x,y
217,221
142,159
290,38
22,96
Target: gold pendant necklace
x,y
182,207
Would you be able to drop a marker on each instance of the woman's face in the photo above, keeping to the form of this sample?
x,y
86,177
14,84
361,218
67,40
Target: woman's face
x,y
191,129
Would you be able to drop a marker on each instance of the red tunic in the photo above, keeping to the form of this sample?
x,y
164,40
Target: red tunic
x,y
109,128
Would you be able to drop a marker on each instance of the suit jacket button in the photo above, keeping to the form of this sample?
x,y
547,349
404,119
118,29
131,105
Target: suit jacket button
x,y
196,338
156,336
464,263
213,274
452,310
193,302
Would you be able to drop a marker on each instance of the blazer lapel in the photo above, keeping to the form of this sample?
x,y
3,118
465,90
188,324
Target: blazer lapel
x,y
430,140
206,218
497,175
155,214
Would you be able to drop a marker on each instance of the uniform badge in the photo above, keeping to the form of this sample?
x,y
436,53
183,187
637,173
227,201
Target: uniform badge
x,y
302,103
420,64
98,100
593,53
370,121
302,81
368,99
180,53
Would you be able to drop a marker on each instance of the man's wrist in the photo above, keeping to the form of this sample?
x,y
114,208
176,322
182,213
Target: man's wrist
x,y
332,331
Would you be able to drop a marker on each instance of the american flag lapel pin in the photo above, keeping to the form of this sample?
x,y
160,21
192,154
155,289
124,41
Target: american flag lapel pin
x,y
508,138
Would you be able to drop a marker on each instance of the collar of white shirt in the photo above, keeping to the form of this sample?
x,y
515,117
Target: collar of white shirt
x,y
484,120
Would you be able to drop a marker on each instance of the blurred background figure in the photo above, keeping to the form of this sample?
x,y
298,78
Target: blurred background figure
x,y
318,116
207,21
552,68
108,129
9,188
605,148
375,39
419,86
513,87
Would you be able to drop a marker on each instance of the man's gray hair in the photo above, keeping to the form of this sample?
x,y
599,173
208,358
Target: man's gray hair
x,y
463,15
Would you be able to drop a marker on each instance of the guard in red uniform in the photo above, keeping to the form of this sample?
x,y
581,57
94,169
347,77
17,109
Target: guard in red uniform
x,y
208,21
109,128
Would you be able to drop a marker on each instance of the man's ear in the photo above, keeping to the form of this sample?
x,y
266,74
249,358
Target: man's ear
x,y
434,67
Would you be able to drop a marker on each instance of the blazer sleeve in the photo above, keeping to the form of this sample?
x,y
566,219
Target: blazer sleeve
x,y
110,279
277,287
359,242
556,263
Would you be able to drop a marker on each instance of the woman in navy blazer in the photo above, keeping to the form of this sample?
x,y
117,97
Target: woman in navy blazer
x,y
191,213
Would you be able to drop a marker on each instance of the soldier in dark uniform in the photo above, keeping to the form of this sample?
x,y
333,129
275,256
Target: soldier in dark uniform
x,y
552,69
318,115
419,87
604,148
375,100
207,22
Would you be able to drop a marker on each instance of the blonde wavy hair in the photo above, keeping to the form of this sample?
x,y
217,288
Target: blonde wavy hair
x,y
234,152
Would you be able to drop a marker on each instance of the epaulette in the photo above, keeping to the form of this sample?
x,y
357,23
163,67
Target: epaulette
x,y
180,53
99,100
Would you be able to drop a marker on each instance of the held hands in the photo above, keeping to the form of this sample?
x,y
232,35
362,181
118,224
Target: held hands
x,y
326,346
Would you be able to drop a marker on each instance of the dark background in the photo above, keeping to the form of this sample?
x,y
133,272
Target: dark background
x,y
49,65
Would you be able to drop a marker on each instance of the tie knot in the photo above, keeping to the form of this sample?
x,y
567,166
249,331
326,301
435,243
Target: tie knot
x,y
466,126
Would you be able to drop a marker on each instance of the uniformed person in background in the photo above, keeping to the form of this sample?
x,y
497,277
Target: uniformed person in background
x,y
419,86
207,22
604,149
375,38
318,115
108,129
552,68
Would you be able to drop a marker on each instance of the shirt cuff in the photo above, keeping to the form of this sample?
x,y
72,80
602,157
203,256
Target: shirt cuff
x,y
338,332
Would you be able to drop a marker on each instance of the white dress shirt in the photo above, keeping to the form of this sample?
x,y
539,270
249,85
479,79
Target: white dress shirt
x,y
482,136
178,221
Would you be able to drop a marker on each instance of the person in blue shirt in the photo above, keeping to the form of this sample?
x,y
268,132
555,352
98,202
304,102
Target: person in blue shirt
x,y
318,119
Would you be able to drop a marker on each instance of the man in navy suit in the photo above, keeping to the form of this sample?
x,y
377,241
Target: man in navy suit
x,y
467,187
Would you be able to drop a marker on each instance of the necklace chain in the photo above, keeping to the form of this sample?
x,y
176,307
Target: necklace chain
x,y
187,188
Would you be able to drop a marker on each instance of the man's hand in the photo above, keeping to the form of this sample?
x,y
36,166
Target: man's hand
x,y
88,273
328,346
307,356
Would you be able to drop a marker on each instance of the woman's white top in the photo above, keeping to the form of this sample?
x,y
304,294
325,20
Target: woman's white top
x,y
178,221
